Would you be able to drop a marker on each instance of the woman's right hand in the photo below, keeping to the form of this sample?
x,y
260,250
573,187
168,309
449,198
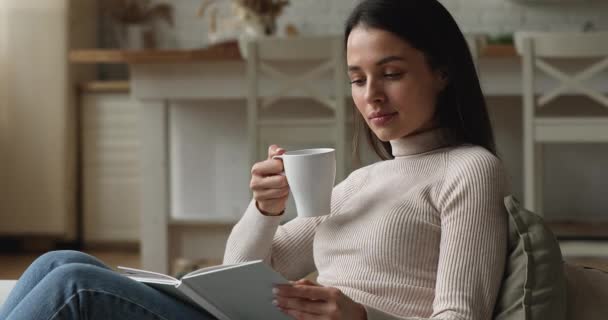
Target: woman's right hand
x,y
269,186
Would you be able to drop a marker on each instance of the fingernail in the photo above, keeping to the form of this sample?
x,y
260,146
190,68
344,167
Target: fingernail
x,y
275,291
275,302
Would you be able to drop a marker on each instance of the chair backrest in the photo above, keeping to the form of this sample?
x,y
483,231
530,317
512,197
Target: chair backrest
x,y
564,44
297,48
319,55
327,50
536,47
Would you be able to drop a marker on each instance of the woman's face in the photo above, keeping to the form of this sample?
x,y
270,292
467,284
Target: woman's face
x,y
393,86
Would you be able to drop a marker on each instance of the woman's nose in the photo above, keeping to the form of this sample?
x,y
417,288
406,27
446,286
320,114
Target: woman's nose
x,y
374,92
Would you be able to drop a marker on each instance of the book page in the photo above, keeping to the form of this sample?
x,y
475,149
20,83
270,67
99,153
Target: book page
x,y
242,291
207,269
147,276
203,302
169,286
219,268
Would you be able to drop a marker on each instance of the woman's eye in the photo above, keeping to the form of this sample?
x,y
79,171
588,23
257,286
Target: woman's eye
x,y
394,75
357,82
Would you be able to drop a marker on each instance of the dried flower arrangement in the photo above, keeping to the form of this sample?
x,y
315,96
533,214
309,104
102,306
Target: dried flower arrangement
x,y
133,21
128,12
263,13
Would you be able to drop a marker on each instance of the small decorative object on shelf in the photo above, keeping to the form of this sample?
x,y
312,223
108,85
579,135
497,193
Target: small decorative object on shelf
x,y
134,21
251,18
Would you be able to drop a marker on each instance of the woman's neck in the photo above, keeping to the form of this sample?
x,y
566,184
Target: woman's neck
x,y
419,142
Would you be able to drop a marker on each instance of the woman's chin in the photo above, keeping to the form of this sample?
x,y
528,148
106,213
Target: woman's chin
x,y
385,136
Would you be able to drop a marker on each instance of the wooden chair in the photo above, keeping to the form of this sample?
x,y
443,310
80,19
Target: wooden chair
x,y
272,61
536,48
476,42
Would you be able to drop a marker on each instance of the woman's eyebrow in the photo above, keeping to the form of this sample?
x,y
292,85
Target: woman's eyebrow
x,y
379,63
389,59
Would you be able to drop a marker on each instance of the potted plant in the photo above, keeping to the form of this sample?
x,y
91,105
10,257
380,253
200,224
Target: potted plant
x,y
133,20
258,17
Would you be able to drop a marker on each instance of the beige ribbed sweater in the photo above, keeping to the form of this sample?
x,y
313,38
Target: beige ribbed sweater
x,y
422,236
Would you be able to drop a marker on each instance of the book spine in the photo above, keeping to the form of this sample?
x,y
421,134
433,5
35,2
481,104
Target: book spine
x,y
201,301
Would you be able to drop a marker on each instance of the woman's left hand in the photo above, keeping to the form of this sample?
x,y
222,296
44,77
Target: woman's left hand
x,y
304,300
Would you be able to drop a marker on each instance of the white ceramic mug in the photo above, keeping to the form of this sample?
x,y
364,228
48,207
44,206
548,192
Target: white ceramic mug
x,y
311,174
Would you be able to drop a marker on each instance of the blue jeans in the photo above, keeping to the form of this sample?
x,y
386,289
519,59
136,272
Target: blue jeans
x,y
74,285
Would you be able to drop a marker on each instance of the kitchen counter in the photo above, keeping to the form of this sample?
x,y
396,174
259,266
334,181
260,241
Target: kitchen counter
x,y
105,87
220,52
224,51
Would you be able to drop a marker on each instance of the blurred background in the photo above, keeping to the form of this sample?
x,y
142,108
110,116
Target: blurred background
x,y
123,123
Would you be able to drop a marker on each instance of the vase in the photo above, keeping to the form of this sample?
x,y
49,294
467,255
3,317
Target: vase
x,y
135,36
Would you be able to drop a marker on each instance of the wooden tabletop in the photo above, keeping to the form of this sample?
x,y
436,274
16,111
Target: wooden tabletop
x,y
498,51
223,51
119,86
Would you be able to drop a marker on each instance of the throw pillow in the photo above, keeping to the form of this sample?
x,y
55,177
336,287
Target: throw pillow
x,y
534,284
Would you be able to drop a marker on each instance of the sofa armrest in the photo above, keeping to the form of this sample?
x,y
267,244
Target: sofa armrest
x,y
587,292
590,264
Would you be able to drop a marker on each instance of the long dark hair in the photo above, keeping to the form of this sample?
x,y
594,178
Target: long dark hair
x,y
427,26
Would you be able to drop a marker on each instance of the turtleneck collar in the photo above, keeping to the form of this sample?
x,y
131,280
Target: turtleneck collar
x,y
418,143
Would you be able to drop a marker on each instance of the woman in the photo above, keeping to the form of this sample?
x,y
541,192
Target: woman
x,y
420,235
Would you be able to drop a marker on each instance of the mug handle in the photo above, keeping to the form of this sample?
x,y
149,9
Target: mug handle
x,y
279,157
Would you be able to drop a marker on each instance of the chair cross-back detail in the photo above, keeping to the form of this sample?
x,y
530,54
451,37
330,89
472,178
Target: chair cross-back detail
x,y
320,56
574,83
535,48
301,83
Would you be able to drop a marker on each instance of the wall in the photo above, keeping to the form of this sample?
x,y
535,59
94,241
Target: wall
x,y
583,164
487,16
37,176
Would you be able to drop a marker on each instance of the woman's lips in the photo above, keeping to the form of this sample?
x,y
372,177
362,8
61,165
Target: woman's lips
x,y
383,119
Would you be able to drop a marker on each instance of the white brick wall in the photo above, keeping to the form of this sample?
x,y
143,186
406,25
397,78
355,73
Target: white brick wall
x,y
327,16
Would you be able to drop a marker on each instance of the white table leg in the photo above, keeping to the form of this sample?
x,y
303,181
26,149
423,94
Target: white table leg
x,y
154,188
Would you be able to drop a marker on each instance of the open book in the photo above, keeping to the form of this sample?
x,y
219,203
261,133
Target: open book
x,y
229,292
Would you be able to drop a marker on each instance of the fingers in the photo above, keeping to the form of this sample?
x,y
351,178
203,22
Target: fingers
x,y
269,186
312,292
306,282
274,150
267,168
304,299
294,304
300,315
268,182
271,194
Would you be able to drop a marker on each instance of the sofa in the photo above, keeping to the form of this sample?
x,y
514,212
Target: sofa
x,y
587,291
5,288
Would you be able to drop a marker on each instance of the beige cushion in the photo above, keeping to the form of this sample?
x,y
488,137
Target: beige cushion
x,y
587,293
534,285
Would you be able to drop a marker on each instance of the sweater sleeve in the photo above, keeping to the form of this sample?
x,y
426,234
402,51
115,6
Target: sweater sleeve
x,y
473,240
473,245
287,248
